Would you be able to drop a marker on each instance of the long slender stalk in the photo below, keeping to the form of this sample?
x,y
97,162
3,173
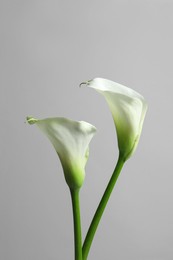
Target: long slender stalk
x,y
77,224
99,212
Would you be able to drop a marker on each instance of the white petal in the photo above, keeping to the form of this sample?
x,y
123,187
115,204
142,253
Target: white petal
x,y
128,109
102,85
71,141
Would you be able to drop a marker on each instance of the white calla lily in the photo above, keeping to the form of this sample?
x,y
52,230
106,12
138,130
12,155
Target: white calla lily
x,y
128,109
71,141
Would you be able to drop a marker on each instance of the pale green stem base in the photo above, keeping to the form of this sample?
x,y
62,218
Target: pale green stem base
x,y
99,212
77,224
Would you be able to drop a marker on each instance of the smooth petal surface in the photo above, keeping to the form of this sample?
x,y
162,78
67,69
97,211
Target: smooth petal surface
x,y
128,109
71,141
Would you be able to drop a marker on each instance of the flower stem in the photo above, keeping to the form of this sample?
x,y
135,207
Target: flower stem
x,y
99,212
77,224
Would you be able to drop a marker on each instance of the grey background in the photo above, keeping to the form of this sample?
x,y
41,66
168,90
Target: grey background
x,y
47,49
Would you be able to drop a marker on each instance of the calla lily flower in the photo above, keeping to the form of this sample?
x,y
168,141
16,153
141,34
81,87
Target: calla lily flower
x,y
71,141
128,109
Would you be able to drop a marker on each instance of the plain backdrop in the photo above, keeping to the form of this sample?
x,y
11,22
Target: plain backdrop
x,y
47,48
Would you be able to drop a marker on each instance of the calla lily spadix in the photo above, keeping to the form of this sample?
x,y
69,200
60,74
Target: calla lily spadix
x,y
128,109
71,141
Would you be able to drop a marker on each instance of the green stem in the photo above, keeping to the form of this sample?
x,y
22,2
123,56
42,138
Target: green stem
x,y
77,224
99,212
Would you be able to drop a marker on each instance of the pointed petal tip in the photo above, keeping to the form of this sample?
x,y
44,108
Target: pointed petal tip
x,y
31,120
85,83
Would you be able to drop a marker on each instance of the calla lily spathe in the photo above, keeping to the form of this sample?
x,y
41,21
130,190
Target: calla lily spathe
x,y
71,141
128,109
